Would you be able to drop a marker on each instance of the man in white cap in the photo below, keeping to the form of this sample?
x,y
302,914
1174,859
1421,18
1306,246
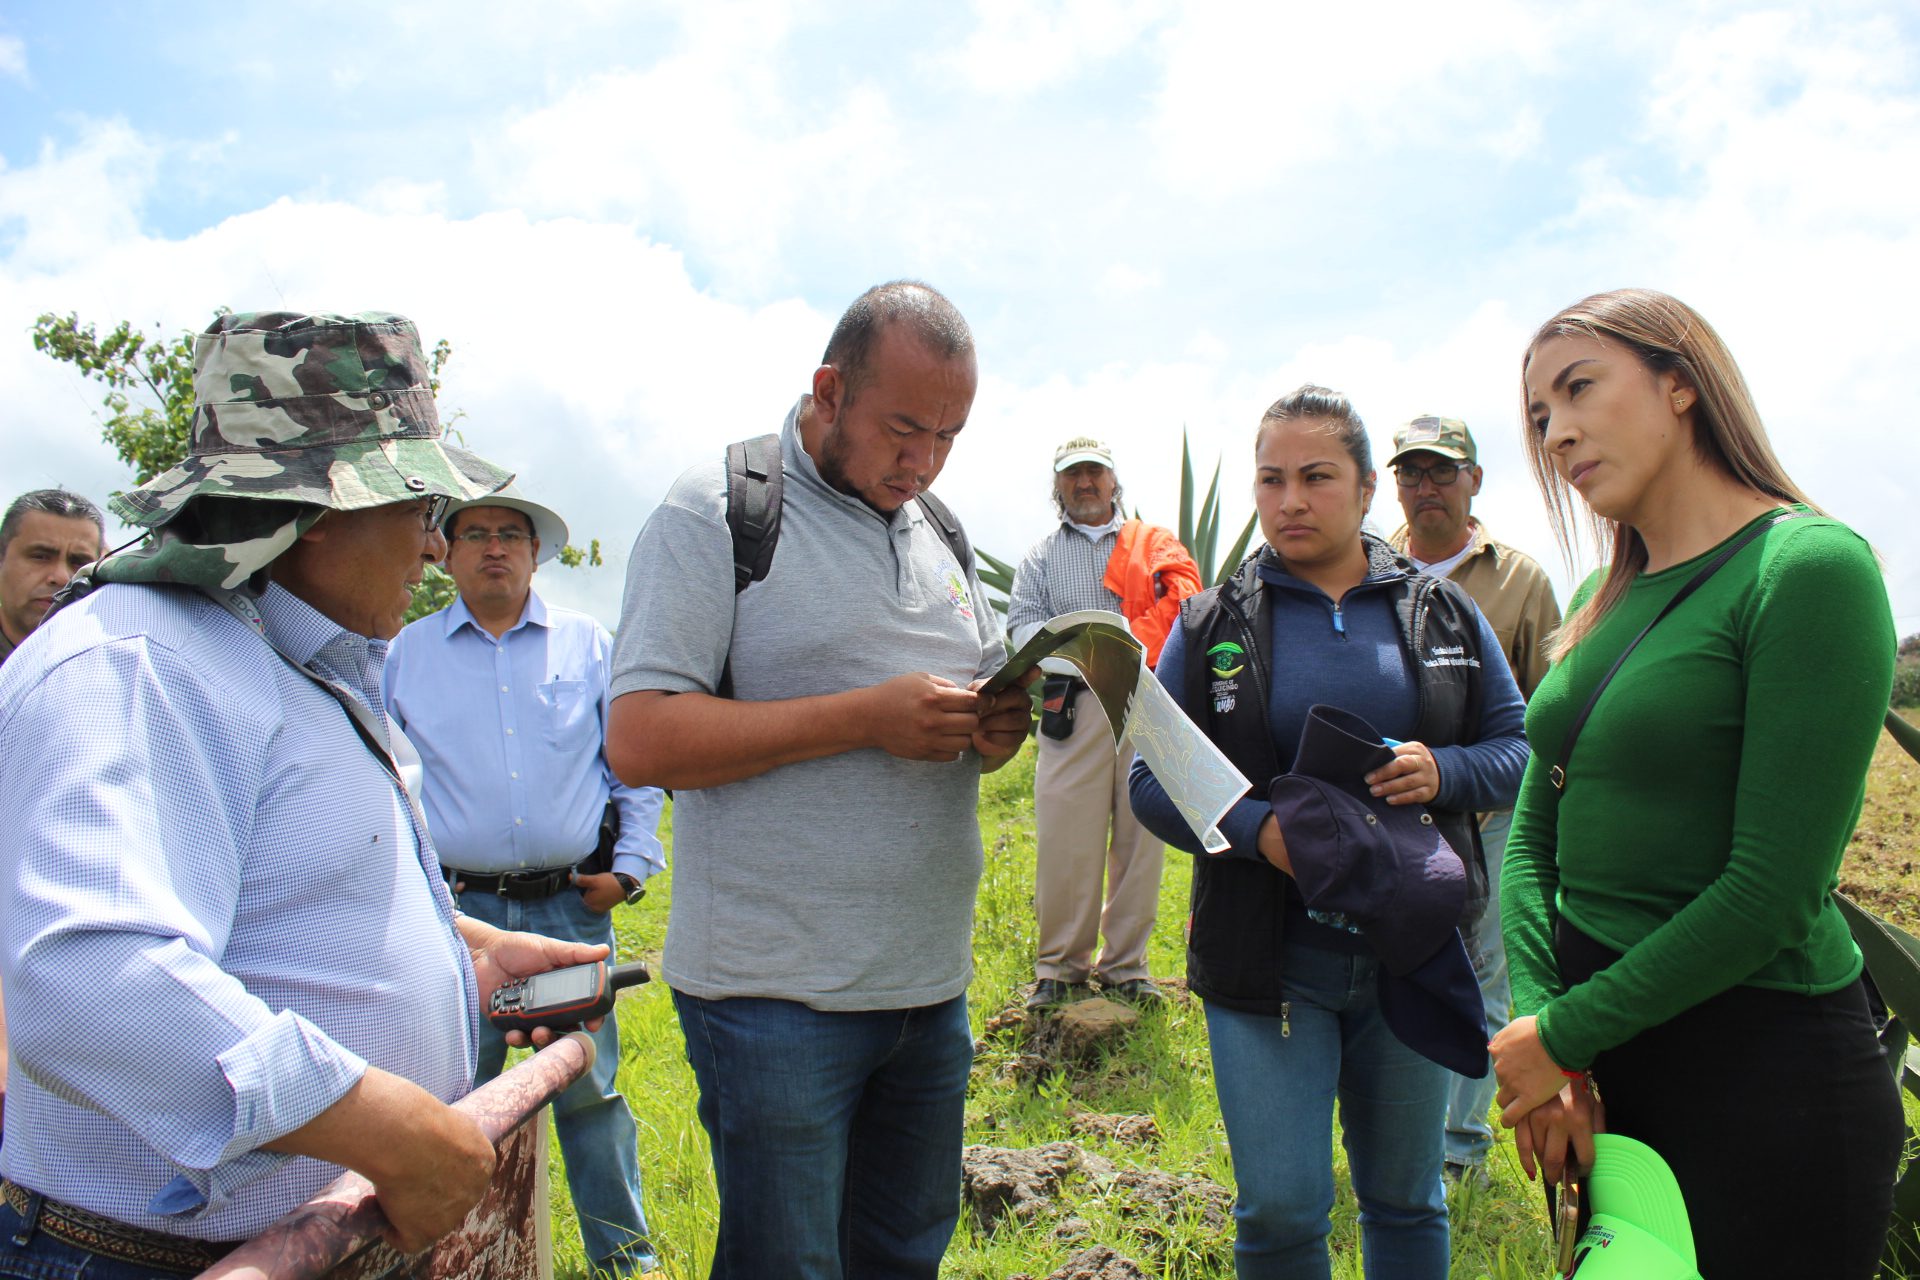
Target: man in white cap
x,y
505,696
1095,559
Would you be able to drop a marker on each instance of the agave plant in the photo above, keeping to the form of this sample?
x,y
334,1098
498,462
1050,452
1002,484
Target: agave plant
x,y
996,576
1202,538
1893,962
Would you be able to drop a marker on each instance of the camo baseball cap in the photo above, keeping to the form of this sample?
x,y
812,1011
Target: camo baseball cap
x,y
1447,437
331,410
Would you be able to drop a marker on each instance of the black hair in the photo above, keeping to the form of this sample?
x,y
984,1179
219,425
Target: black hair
x,y
1310,401
933,319
53,502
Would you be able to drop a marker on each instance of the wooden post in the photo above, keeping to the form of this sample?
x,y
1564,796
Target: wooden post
x,y
336,1235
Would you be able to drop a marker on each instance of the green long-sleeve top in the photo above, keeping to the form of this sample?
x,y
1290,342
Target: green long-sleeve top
x,y
1712,791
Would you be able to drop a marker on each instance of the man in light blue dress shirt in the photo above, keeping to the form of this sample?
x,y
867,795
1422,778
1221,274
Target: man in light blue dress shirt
x,y
505,696
230,963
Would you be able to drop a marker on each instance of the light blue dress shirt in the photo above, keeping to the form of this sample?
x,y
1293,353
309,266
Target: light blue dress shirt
x,y
218,910
511,733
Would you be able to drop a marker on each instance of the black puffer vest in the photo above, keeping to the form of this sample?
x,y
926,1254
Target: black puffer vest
x,y
1239,905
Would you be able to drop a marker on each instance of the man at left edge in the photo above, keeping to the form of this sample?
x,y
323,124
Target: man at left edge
x,y
230,960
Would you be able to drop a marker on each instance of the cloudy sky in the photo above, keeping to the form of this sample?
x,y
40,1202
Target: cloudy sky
x,y
636,223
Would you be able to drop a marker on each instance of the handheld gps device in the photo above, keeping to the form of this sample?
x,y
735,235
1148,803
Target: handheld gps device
x,y
562,998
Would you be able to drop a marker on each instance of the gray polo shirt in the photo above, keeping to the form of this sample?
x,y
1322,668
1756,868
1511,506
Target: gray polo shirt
x,y
846,882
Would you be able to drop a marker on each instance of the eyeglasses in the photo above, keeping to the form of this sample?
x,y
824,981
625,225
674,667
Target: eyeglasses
x,y
509,538
435,511
1441,473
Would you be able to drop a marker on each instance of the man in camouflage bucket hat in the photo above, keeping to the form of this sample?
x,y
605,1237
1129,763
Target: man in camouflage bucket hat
x,y
205,811
328,411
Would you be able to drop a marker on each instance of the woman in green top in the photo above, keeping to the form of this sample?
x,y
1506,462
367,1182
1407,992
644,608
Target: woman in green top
x,y
1667,914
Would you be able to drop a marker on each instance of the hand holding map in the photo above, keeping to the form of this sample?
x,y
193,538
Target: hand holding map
x,y
1201,781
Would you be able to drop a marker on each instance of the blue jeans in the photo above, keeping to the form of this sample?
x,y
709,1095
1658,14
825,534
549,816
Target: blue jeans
x,y
836,1136
1277,1079
42,1257
1469,1135
596,1130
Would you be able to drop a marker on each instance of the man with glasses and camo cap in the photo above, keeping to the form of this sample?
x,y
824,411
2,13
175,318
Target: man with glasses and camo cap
x,y
506,697
231,964
1438,473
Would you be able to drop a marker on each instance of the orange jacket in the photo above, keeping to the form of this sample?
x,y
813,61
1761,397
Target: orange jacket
x,y
1151,573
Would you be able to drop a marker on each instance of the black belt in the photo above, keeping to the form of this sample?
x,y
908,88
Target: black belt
x,y
109,1237
518,886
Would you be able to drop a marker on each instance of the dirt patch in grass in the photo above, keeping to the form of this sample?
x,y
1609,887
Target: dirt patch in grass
x,y
1878,871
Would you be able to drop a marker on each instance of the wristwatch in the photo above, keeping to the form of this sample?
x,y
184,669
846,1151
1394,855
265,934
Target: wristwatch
x,y
631,887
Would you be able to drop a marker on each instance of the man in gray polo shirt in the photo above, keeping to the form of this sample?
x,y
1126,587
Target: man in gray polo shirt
x,y
826,848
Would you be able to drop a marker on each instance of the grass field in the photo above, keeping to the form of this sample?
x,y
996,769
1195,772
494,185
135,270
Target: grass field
x,y
1499,1232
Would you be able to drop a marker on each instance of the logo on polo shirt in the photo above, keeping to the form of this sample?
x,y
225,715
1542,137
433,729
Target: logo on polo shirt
x,y
957,593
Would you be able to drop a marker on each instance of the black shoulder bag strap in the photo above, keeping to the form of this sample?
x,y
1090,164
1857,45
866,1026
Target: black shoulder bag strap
x,y
947,525
756,483
1558,774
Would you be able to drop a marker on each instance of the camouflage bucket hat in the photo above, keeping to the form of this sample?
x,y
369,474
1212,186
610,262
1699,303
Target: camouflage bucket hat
x,y
330,410
294,415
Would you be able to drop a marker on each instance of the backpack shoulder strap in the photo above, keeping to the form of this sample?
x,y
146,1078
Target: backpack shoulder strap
x,y
949,526
754,487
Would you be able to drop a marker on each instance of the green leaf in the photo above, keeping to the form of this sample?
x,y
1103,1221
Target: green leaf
x,y
1892,955
1904,732
994,564
1186,491
1207,536
1237,552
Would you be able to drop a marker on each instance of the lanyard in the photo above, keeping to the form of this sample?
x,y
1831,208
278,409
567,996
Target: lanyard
x,y
402,763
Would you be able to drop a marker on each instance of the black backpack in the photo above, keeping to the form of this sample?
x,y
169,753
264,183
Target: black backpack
x,y
755,485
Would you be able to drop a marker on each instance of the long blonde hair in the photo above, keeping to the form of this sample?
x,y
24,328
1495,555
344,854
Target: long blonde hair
x,y
1667,336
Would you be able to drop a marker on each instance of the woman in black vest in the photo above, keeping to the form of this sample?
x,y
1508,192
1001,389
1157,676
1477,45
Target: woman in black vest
x,y
1326,613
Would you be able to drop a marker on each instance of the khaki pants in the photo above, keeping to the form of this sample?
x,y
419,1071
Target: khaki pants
x,y
1079,792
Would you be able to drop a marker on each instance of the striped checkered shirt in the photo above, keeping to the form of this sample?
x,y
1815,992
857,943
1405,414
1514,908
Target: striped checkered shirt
x,y
1062,574
219,910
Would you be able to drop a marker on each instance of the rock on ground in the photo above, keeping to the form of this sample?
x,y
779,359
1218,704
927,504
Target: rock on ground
x,y
1076,1031
1097,1263
1137,1130
1168,1196
1002,1182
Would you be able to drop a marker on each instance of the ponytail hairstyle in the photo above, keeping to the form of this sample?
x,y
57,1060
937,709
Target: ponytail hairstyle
x,y
1667,336
1310,401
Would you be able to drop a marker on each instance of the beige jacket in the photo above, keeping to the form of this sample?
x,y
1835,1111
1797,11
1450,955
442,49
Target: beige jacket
x,y
1512,590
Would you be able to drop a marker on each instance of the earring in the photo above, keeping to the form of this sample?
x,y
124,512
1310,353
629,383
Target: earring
x,y
1680,402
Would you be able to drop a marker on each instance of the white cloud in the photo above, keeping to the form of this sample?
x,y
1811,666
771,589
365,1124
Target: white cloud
x,y
396,195
694,143
1255,90
672,238
13,59
1024,46
77,201
1795,137
583,355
